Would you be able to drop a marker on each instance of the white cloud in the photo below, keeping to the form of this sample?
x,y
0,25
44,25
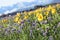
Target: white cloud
x,y
21,5
7,3
10,11
6,12
11,2
13,10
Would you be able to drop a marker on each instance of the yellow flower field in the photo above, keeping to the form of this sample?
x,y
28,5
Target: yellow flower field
x,y
40,24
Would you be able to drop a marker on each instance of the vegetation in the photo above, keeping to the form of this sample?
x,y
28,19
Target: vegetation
x,y
40,24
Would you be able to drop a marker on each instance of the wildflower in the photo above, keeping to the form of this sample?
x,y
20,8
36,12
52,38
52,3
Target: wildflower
x,y
49,8
31,31
37,14
33,24
4,20
38,10
53,11
19,21
1,26
30,13
40,17
51,38
43,8
44,34
46,13
25,17
49,18
18,14
25,13
58,5
16,19
44,17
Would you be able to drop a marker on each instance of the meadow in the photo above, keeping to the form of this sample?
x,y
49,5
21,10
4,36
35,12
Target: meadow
x,y
40,24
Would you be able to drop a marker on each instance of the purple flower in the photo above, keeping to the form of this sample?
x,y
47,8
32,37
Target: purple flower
x,y
22,22
1,26
49,18
33,24
30,32
12,30
18,31
44,34
7,31
51,38
21,26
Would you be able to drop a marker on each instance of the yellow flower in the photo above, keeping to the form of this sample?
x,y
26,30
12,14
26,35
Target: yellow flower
x,y
19,21
46,13
37,14
38,10
30,13
16,19
18,14
4,20
53,11
58,5
40,17
26,16
25,13
43,8
49,8
44,17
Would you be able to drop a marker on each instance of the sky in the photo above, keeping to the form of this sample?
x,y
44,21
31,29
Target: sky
x,y
8,6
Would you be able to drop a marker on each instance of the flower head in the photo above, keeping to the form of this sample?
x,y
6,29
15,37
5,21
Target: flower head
x,y
4,20
19,21
40,17
18,14
25,17
49,8
16,19
53,11
46,13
